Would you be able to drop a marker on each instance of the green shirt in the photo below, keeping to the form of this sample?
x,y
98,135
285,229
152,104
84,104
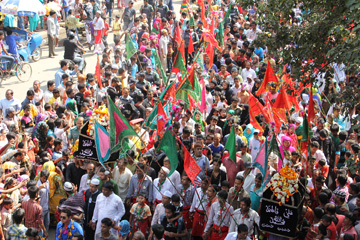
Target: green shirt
x,y
116,187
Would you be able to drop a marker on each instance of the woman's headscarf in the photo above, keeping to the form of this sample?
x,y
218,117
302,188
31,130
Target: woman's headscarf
x,y
9,110
285,151
41,133
249,136
125,228
200,121
244,116
61,109
50,166
214,109
242,135
71,105
41,117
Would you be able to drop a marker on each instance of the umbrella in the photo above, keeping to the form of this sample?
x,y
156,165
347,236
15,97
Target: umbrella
x,y
23,7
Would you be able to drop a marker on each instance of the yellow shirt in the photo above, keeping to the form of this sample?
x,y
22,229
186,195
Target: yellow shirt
x,y
53,100
116,28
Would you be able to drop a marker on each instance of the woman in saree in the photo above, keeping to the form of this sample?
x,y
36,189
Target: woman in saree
x,y
55,179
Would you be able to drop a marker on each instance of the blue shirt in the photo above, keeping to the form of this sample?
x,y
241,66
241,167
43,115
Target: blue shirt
x,y
134,70
59,73
62,236
66,3
11,42
259,52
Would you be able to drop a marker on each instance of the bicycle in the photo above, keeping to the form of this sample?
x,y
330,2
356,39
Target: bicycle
x,y
21,70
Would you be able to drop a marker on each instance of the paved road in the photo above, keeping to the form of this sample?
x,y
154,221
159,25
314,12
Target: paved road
x,y
44,70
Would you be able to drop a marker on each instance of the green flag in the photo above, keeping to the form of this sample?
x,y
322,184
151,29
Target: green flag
x,y
227,14
130,48
151,119
192,22
220,34
274,147
158,65
208,10
231,144
168,145
180,64
119,127
186,88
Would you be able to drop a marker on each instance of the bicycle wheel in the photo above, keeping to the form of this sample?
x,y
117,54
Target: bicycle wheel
x,y
23,72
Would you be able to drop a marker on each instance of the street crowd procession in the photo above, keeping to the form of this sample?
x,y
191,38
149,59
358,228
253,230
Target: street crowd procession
x,y
194,124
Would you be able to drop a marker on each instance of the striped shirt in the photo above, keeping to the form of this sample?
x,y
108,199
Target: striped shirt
x,y
33,214
16,232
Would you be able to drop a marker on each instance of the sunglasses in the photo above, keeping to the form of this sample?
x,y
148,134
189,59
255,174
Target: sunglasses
x,y
62,217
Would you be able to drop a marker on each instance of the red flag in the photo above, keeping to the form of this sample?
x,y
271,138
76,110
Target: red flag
x,y
191,45
202,15
178,37
203,98
207,37
170,94
98,73
282,100
210,53
311,110
182,51
253,121
191,168
212,26
256,106
191,75
269,77
161,119
191,102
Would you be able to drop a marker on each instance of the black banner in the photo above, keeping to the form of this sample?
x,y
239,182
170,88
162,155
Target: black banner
x,y
279,220
87,147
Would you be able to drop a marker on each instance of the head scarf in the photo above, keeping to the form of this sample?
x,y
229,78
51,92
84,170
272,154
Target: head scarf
x,y
125,228
40,118
250,135
200,121
71,105
41,133
9,110
285,151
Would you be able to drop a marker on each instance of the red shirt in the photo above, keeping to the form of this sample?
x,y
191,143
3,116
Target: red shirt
x,y
332,228
324,170
106,29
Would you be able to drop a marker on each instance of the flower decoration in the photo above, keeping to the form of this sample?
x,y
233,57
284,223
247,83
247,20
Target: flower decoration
x,y
284,184
101,115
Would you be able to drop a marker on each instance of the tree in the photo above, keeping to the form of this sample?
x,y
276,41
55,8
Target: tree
x,y
329,33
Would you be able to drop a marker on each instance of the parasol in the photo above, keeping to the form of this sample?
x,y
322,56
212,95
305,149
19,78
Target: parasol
x,y
8,165
23,7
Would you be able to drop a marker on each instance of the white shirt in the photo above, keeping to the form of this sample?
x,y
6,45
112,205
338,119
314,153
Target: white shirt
x,y
159,211
108,207
196,203
218,217
123,181
163,46
98,24
175,178
61,134
248,73
254,146
235,90
248,221
166,186
248,182
233,236
47,96
85,182
209,102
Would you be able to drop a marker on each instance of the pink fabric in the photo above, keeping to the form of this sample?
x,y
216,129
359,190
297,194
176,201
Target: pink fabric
x,y
283,148
119,126
105,142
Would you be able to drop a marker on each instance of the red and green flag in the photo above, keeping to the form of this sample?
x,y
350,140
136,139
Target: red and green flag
x,y
231,144
168,145
119,127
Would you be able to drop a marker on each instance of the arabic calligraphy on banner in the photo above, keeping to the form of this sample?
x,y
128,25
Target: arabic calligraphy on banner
x,y
278,220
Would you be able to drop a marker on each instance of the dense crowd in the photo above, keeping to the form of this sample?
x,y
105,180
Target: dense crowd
x,y
226,80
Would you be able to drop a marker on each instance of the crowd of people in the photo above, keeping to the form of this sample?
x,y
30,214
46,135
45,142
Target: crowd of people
x,y
138,195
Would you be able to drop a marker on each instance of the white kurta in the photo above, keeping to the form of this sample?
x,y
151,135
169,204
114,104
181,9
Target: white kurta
x,y
85,182
123,181
108,207
166,186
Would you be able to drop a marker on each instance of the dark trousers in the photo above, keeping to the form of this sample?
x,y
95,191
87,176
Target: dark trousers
x,y
51,46
89,233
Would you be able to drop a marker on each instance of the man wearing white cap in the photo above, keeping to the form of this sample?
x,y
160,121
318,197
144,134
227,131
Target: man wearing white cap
x,y
161,185
160,209
91,195
108,205
99,26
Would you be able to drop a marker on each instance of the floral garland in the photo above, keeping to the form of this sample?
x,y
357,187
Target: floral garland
x,y
66,231
284,184
101,115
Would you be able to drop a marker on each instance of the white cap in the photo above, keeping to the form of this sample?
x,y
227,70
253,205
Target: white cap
x,y
165,169
107,172
95,181
114,66
167,193
68,186
299,120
